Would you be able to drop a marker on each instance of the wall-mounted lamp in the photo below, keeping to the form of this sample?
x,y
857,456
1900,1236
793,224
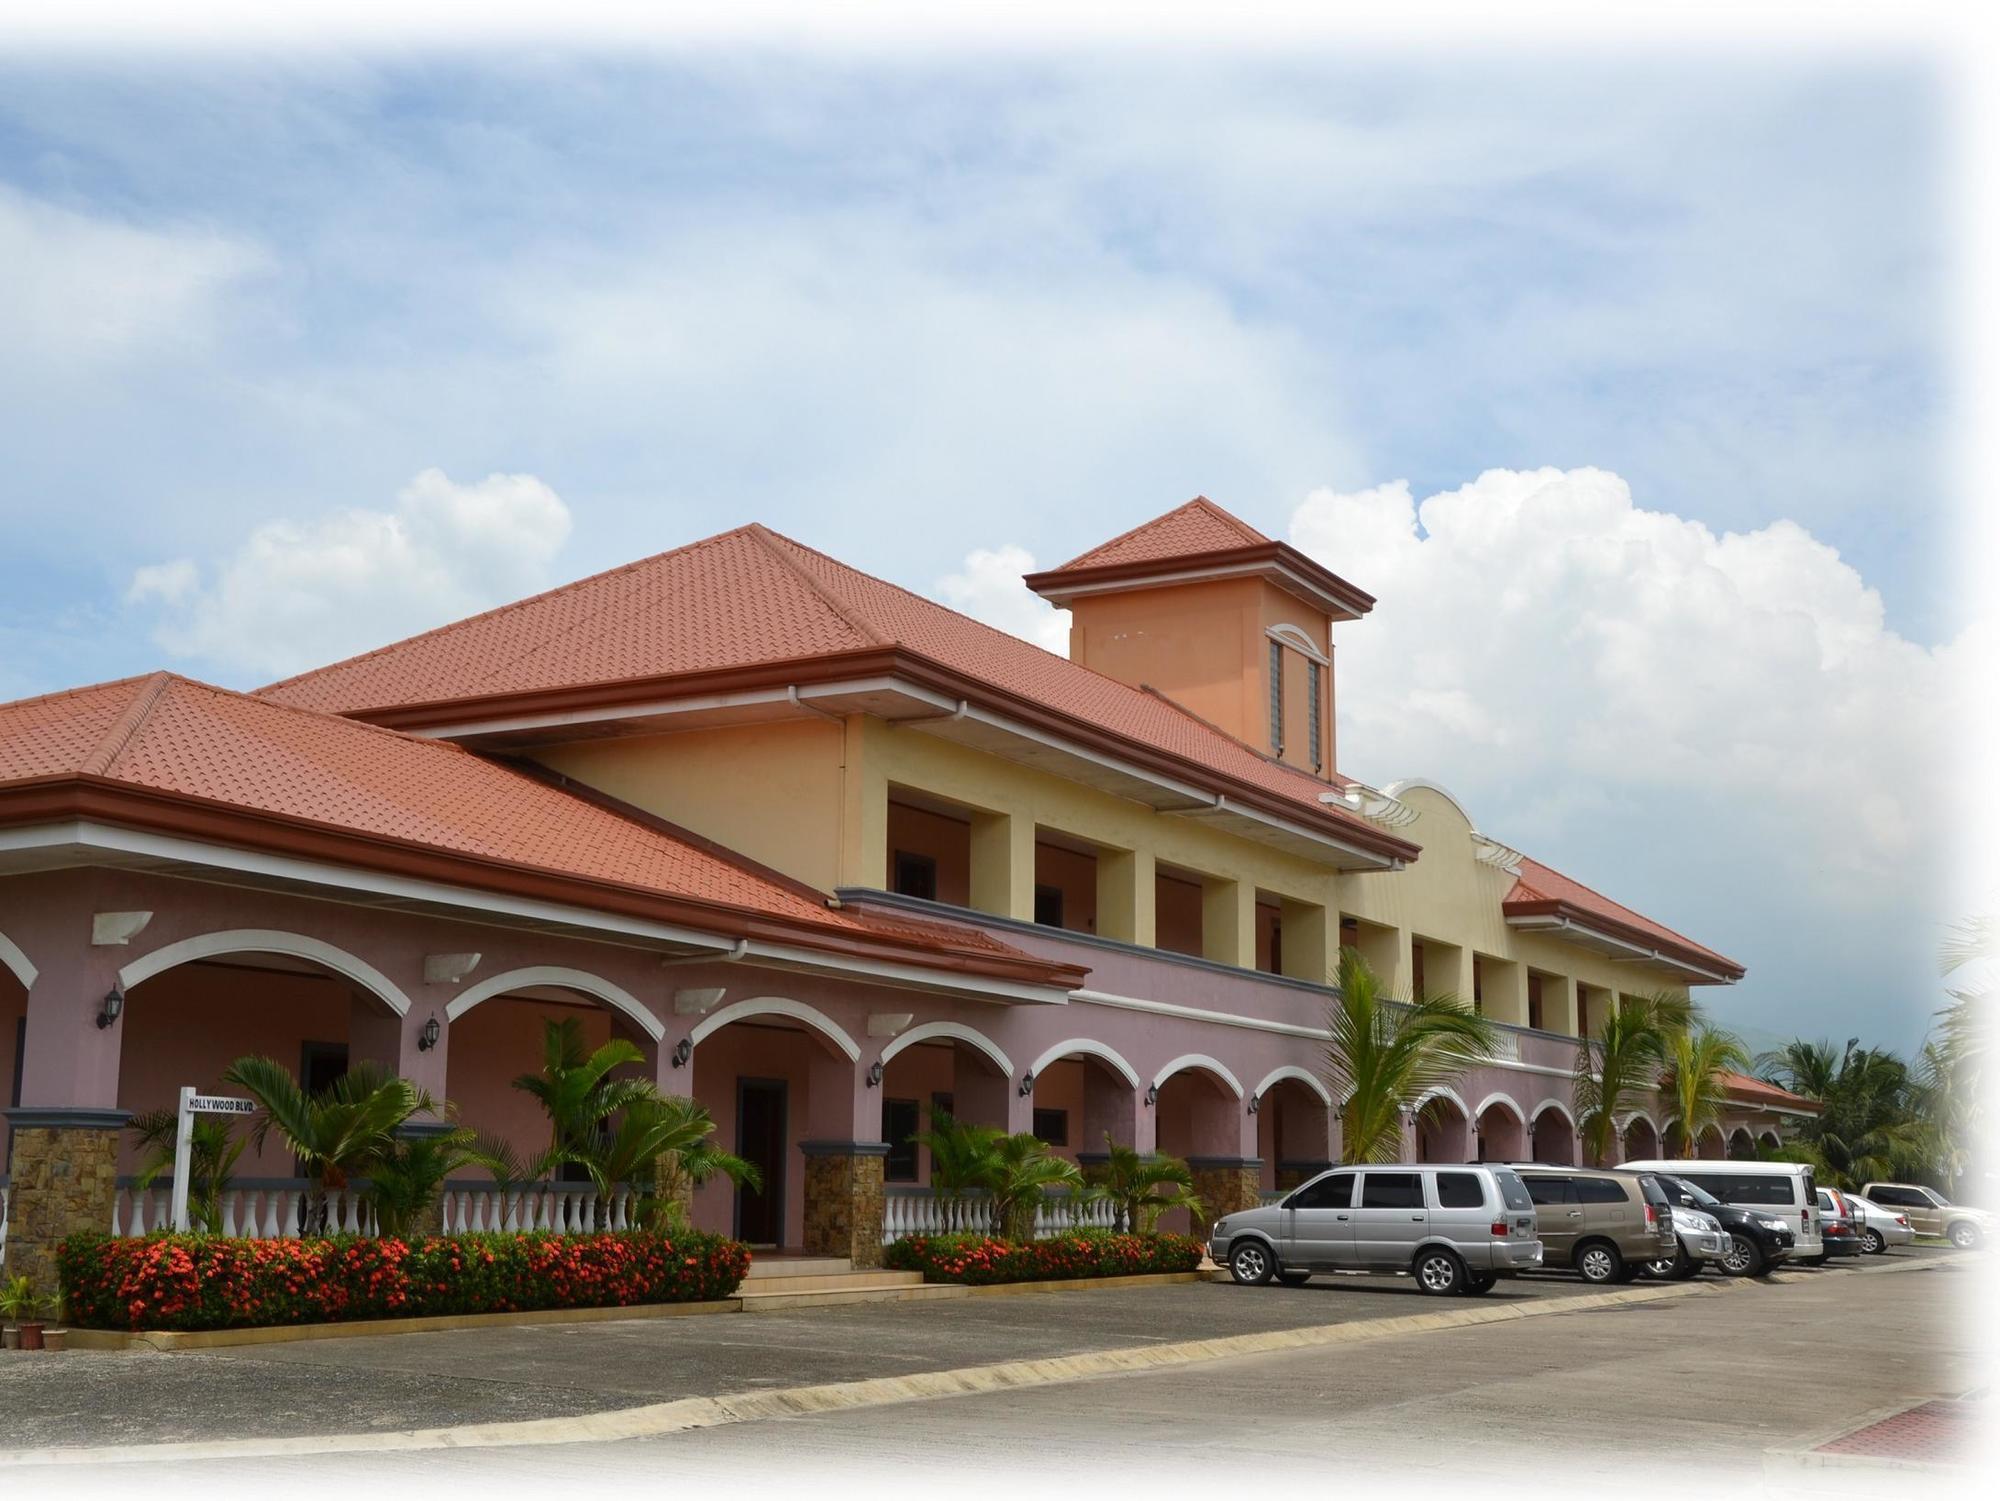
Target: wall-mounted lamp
x,y
1152,1094
1255,1101
428,1038
1027,1083
683,1050
113,1007
875,1073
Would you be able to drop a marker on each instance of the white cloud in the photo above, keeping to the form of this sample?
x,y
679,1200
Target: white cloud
x,y
1542,643
296,594
81,292
989,589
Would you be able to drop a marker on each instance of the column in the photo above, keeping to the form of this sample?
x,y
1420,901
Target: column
x,y
1559,1004
1230,1179
1307,954
1125,896
1003,865
1504,990
1229,922
1387,951
843,1156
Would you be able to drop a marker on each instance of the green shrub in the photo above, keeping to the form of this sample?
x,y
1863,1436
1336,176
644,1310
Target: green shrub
x,y
212,1282
983,1259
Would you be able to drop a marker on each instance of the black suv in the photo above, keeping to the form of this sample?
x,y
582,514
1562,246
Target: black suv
x,y
1758,1239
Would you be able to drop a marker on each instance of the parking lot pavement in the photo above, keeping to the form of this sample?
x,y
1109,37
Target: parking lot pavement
x,y
497,1375
551,1370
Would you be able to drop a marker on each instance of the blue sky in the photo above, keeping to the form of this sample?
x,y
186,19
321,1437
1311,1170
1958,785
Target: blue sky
x,y
920,311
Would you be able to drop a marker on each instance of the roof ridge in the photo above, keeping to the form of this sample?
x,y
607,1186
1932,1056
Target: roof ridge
x,y
99,762
323,715
498,610
764,537
1621,906
76,692
1253,538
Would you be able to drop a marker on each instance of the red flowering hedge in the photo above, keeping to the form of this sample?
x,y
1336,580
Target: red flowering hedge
x,y
213,1282
979,1259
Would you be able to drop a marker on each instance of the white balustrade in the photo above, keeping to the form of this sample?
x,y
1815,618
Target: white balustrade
x,y
916,1210
4,1195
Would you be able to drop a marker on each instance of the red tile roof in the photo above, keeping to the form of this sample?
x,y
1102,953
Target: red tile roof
x,y
1541,891
196,744
750,598
1200,526
1763,1091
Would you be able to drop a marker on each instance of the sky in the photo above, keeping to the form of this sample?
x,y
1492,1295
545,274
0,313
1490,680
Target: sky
x,y
1623,384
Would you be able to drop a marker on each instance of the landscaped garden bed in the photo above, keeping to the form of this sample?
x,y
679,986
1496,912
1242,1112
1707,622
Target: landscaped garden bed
x,y
978,1260
197,1282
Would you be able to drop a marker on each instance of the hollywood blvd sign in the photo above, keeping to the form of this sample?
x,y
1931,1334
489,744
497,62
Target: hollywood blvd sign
x,y
193,1104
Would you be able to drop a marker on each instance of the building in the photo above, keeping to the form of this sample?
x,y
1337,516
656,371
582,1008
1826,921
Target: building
x,y
827,851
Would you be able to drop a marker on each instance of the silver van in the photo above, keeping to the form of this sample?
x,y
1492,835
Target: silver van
x,y
1456,1228
1783,1190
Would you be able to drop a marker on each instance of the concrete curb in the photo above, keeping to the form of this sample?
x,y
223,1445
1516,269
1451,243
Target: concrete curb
x,y
659,1419
169,1341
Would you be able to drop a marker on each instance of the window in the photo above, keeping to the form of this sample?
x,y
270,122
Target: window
x,y
1392,1191
1052,1126
1332,1192
899,1129
1049,906
1277,699
1535,1002
1745,1188
1312,713
1899,1198
1460,1191
1601,1191
916,875
1513,1192
1551,1190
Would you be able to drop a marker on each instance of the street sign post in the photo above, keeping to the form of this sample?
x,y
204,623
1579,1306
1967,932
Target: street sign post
x,y
194,1103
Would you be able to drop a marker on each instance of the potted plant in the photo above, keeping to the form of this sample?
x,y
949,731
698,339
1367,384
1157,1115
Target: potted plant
x,y
18,1304
55,1338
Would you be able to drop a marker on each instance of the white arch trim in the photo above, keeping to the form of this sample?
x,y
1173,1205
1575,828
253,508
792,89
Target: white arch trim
x,y
1299,638
1771,1136
1640,1115
1442,1092
1499,1099
267,941
1556,1105
1293,1071
955,1030
1095,1049
598,988
1199,1060
777,1005
15,960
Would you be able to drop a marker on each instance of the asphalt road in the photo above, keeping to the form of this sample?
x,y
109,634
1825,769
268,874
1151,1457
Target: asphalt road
x,y
1722,1385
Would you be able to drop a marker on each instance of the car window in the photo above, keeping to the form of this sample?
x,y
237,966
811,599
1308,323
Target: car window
x,y
1392,1191
1747,1188
1601,1191
1335,1192
1460,1191
1702,1197
1551,1190
1937,1200
1513,1192
1654,1191
1826,1204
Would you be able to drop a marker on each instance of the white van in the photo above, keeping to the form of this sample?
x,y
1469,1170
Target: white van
x,y
1784,1190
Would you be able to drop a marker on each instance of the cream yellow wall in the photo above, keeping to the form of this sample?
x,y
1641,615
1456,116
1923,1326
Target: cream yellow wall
x,y
775,792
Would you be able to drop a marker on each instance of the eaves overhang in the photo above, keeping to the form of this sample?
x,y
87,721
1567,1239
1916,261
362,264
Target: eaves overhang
x,y
1621,941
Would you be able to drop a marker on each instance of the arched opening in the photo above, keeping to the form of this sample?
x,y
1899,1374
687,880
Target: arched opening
x,y
1742,1146
774,1073
1088,1094
1501,1130
1294,1129
16,974
1770,1141
1195,1115
497,1032
937,1067
1444,1129
1710,1143
195,1007
1642,1140
1553,1136
1673,1141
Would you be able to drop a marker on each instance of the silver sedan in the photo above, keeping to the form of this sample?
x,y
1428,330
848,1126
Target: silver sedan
x,y
1880,1227
1703,1242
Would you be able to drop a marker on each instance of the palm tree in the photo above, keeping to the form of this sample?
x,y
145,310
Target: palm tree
x,y
963,1159
1022,1171
342,1132
661,1147
405,1182
1142,1187
577,1091
213,1150
1382,1055
1697,1058
1624,1061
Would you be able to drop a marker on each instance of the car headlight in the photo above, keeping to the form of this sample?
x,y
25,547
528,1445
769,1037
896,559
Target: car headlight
x,y
1772,1222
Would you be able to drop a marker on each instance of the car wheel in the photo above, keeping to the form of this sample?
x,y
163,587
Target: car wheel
x,y
1251,1263
1744,1259
1294,1279
1438,1272
1872,1242
1964,1234
1599,1262
1478,1282
1671,1268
